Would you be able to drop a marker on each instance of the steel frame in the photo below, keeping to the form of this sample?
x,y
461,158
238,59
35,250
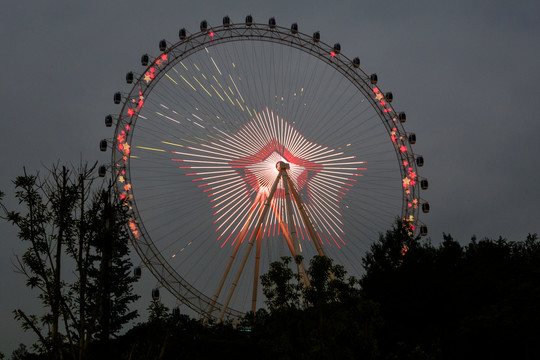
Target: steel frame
x,y
143,244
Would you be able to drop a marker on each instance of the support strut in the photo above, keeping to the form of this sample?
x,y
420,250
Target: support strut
x,y
250,245
256,236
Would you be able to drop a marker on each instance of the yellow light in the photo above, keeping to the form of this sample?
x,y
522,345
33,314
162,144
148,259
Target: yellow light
x,y
169,143
167,75
187,82
147,148
222,99
202,86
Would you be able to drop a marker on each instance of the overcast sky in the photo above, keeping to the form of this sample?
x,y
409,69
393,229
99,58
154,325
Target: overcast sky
x,y
466,72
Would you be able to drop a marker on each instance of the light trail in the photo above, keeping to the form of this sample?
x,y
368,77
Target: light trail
x,y
252,153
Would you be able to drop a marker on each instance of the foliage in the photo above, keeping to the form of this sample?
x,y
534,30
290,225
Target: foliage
x,y
335,321
112,283
158,312
66,227
281,286
414,301
453,301
173,335
22,353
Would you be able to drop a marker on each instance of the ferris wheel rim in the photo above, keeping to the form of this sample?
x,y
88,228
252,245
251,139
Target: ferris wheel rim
x,y
195,299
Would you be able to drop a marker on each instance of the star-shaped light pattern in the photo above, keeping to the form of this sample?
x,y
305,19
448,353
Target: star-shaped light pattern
x,y
237,167
233,168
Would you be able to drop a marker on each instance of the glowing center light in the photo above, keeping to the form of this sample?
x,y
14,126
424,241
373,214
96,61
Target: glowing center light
x,y
266,171
237,170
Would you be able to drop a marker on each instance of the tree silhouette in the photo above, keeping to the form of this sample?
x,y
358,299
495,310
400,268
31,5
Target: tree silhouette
x,y
454,301
63,222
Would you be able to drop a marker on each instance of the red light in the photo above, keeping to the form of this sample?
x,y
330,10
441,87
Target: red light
x,y
333,54
211,34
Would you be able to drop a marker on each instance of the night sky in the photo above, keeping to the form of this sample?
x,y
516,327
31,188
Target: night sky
x,y
466,73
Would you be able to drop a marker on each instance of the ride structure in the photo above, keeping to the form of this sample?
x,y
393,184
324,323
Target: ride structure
x,y
249,135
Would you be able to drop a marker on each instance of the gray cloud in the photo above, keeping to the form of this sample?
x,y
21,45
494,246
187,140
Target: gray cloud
x,y
465,72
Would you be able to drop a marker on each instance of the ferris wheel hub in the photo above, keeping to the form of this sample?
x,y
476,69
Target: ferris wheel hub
x,y
282,165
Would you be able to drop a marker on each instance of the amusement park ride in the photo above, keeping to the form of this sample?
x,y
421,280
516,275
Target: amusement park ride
x,y
255,136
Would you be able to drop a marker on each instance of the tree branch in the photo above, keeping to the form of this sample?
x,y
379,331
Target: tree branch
x,y
19,314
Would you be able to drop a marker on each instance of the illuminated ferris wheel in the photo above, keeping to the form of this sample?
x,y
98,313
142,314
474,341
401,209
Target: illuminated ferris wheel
x,y
243,143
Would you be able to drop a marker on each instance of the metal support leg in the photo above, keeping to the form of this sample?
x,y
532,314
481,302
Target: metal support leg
x,y
307,221
241,236
292,230
301,207
250,245
256,273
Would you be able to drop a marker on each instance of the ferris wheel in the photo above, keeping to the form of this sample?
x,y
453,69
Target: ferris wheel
x,y
242,143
